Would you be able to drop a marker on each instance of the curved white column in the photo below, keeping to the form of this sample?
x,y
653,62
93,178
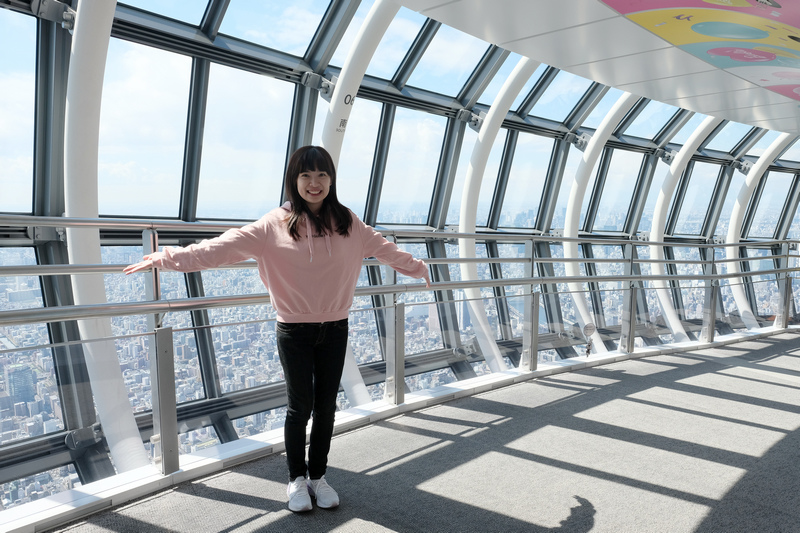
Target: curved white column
x,y
344,94
737,220
573,212
660,219
84,90
469,205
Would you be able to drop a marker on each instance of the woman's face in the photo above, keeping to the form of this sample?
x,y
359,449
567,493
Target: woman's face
x,y
314,186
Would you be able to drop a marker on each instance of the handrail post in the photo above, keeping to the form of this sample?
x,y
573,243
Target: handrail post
x,y
530,327
152,282
394,391
784,289
627,333
627,337
165,411
709,329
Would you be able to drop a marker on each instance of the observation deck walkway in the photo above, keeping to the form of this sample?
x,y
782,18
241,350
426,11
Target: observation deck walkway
x,y
694,441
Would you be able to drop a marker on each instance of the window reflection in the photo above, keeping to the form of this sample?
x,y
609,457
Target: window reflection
x,y
651,120
133,352
191,12
284,26
488,182
30,404
620,182
697,198
559,215
142,130
448,61
526,181
561,96
358,148
737,182
17,33
244,144
394,44
770,205
411,167
764,143
690,127
729,137
602,109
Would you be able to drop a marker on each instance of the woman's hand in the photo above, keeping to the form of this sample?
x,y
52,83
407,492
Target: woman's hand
x,y
145,264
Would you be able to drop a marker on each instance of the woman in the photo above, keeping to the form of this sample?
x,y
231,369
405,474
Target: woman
x,y
309,253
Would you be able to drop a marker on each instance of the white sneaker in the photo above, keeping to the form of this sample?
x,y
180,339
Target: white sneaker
x,y
325,495
299,500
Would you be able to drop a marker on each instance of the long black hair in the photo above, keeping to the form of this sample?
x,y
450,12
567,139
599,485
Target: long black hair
x,y
332,215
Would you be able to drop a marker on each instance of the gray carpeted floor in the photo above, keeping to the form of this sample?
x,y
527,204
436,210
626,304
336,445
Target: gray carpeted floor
x,y
700,442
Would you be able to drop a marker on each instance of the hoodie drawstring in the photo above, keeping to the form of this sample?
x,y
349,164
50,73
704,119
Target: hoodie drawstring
x,y
309,238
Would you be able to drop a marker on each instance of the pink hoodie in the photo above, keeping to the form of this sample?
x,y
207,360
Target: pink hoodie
x,y
312,279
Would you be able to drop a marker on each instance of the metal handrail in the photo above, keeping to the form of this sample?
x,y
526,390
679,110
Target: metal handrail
x,y
76,312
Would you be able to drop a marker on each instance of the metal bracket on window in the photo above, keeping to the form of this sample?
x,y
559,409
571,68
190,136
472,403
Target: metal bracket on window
x,y
579,141
84,437
475,121
316,81
743,166
666,156
54,11
45,234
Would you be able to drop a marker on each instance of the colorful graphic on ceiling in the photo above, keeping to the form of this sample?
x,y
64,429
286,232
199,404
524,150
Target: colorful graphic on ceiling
x,y
757,40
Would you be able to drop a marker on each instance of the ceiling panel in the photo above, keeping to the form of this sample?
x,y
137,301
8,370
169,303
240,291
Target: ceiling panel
x,y
589,39
653,65
509,20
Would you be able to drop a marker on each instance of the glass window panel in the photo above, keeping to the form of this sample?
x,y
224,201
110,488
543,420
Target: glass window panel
x,y
527,87
244,337
285,26
526,181
729,137
651,120
764,143
358,148
698,196
448,62
340,55
411,167
38,486
394,44
737,181
770,205
559,214
463,310
17,33
690,127
561,96
620,183
490,93
29,401
602,109
430,380
660,174
133,351
487,184
793,153
260,422
191,12
244,144
142,130
587,195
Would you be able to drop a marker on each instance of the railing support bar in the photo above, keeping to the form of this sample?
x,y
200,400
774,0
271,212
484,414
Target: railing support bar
x,y
395,389
165,411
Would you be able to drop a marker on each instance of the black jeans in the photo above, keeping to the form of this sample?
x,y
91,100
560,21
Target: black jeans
x,y
312,355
